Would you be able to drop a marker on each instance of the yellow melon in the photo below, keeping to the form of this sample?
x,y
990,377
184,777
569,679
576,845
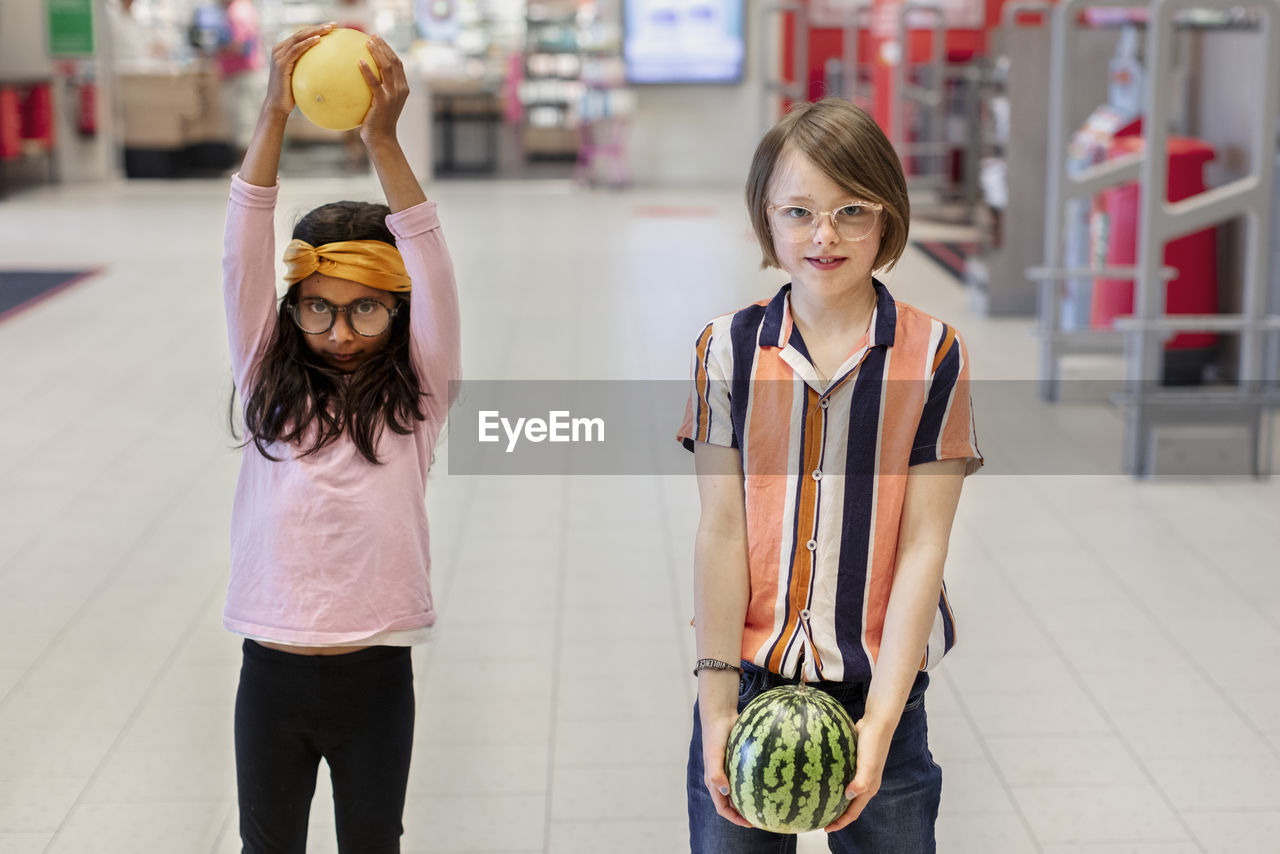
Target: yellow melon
x,y
327,84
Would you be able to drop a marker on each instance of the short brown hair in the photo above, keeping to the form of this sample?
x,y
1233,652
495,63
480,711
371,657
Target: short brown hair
x,y
844,142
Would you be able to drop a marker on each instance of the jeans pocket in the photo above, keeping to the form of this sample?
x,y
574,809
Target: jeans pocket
x,y
914,703
749,685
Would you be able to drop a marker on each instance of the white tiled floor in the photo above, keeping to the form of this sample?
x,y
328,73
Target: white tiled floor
x,y
1114,688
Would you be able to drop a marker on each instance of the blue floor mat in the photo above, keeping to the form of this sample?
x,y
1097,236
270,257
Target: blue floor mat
x,y
21,289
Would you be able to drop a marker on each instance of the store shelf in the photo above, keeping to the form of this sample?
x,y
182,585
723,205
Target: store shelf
x,y
552,87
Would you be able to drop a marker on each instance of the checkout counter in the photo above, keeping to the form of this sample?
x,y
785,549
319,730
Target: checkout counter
x,y
173,122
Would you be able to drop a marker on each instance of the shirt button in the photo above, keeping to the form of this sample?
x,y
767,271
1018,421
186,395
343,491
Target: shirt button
x,y
824,403
804,615
817,474
811,545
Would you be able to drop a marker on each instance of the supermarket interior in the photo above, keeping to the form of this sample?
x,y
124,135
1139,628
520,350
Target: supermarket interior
x,y
1094,195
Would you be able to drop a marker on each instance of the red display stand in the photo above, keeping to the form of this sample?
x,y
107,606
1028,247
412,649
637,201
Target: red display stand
x,y
1195,256
26,124
10,123
37,116
826,43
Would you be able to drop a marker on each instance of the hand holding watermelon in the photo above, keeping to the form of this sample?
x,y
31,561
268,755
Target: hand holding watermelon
x,y
715,734
873,751
790,759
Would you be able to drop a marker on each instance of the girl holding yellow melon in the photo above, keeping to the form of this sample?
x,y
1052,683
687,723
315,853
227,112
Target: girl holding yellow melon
x,y
345,384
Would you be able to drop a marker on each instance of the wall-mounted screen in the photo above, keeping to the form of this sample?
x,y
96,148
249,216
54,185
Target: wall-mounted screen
x,y
683,41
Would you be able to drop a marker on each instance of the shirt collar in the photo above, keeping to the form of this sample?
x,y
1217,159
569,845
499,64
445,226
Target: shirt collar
x,y
775,331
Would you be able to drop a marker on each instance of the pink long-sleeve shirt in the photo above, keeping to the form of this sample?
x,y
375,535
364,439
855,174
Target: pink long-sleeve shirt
x,y
330,548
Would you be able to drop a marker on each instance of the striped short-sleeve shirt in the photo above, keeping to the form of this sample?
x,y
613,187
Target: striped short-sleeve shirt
x,y
825,467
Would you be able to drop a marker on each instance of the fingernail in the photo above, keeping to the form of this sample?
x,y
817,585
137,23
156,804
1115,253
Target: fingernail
x,y
724,790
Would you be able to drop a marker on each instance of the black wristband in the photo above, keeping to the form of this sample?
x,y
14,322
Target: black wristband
x,y
714,664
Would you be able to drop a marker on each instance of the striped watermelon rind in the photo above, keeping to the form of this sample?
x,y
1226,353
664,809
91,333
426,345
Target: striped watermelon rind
x,y
790,758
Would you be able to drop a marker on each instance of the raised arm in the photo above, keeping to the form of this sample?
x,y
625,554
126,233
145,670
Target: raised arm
x,y
248,256
434,320
262,159
378,130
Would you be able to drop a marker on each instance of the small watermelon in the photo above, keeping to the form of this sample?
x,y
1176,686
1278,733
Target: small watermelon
x,y
790,758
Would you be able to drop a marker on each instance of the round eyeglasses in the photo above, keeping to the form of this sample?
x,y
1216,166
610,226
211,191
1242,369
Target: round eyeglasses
x,y
368,317
852,221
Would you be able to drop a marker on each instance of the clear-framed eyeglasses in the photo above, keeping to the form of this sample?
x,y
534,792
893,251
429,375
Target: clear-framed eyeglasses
x,y
852,221
367,317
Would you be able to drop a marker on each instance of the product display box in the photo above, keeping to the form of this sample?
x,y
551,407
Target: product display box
x,y
172,110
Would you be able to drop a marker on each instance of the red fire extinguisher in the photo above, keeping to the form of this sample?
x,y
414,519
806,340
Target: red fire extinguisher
x,y
87,108
80,95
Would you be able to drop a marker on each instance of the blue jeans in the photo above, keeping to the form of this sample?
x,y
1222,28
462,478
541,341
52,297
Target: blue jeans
x,y
898,820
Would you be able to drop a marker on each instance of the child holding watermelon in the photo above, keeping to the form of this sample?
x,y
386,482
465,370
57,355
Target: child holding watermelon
x,y
832,429
345,387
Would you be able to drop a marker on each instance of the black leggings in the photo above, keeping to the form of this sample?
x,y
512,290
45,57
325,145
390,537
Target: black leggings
x,y
354,710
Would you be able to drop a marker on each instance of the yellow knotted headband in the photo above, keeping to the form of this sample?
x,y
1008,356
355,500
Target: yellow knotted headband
x,y
369,262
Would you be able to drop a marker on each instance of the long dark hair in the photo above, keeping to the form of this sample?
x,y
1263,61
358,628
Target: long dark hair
x,y
292,389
